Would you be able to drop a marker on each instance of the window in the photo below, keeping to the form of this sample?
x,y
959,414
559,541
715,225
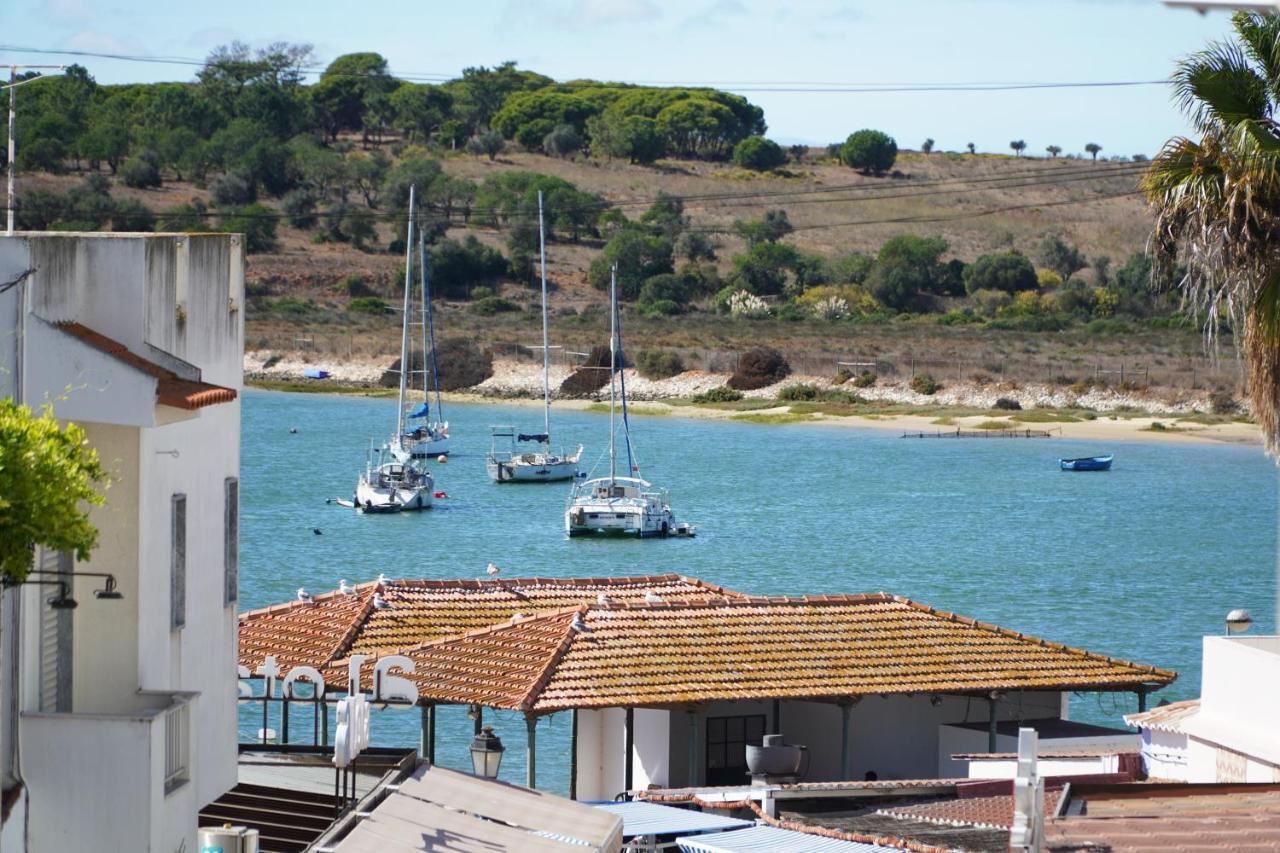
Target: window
x,y
231,540
55,636
727,740
178,563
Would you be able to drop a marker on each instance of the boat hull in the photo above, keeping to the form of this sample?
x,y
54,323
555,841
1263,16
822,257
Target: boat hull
x,y
531,468
1088,463
428,447
619,520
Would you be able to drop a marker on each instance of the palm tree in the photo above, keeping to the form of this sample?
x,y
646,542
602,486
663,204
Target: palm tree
x,y
1018,147
1217,200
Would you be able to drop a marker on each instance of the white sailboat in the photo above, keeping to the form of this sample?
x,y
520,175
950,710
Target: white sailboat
x,y
421,433
622,506
392,481
511,465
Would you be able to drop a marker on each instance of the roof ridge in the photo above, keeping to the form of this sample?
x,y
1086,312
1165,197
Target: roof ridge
x,y
544,616
553,660
293,605
744,601
344,642
1031,638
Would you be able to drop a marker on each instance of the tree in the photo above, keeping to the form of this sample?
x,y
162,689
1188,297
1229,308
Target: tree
x,y
420,109
1102,270
871,151
637,138
763,268
564,140
490,144
1018,147
1217,200
1054,150
639,256
770,228
758,154
971,147
49,476
1093,148
1061,257
926,146
1008,271
907,269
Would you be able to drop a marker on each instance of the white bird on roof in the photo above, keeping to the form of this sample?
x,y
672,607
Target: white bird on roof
x,y
304,596
346,588
603,599
652,597
382,577
379,603
491,570
516,617
579,624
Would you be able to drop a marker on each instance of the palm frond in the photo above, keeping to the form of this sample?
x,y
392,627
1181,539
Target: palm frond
x,y
1219,86
1259,35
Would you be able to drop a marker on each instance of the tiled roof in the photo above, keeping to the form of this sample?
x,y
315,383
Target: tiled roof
x,y
1054,752
817,647
171,389
1165,718
991,812
1172,817
334,625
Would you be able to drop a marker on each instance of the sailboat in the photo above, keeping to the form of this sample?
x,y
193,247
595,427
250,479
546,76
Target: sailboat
x,y
622,506
420,434
545,465
391,480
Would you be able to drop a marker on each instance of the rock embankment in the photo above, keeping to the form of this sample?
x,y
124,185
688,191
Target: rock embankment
x,y
513,379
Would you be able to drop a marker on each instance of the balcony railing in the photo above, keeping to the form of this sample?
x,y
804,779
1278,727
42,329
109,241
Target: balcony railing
x,y
177,745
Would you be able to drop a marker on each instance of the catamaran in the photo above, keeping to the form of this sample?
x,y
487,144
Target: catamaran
x,y
391,480
511,465
623,506
420,434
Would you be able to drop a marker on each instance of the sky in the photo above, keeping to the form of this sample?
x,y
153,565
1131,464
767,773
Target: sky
x,y
740,45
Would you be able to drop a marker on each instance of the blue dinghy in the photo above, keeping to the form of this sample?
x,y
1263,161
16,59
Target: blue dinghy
x,y
1087,463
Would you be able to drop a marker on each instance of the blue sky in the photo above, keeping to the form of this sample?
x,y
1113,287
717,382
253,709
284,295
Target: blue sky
x,y
731,42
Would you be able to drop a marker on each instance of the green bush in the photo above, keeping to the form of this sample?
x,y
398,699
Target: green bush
x,y
758,368
718,395
923,383
491,305
798,393
1007,404
842,376
352,286
659,364
660,308
462,364
758,154
871,151
1223,403
865,379
368,305
140,172
291,306
132,215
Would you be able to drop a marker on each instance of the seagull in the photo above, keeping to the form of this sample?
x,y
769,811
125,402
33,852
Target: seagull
x,y
382,577
491,570
579,624
293,430
652,597
516,617
317,531
346,588
304,596
380,603
603,599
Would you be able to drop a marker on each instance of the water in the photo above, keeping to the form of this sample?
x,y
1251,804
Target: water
x,y
1139,562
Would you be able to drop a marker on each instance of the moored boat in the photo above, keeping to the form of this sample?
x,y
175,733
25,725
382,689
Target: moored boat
x,y
1087,463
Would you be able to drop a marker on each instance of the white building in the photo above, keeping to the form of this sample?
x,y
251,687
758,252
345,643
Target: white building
x,y
119,720
1230,733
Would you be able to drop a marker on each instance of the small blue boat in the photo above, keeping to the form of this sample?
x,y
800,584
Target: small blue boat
x,y
1087,463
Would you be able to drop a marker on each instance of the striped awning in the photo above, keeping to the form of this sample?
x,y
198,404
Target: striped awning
x,y
761,838
639,819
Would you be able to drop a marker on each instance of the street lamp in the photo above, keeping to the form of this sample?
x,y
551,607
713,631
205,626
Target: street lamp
x,y
1238,621
486,753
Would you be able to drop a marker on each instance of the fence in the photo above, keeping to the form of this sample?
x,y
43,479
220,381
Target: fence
x,y
177,744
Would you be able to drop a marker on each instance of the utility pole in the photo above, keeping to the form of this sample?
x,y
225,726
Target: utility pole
x,y
10,199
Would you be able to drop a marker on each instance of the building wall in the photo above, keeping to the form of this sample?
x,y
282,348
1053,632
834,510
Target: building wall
x,y
1083,766
1165,755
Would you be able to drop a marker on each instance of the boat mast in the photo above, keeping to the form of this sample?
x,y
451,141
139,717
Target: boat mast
x,y
405,363
613,360
429,331
546,343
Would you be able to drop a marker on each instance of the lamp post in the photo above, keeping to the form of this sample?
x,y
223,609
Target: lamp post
x,y
1238,621
486,753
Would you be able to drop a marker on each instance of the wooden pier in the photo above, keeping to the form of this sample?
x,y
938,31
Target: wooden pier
x,y
984,433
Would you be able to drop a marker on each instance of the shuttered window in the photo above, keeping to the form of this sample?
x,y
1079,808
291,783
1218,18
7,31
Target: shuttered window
x,y
178,563
231,540
55,636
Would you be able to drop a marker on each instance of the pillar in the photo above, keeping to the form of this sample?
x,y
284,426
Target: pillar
x,y
427,733
845,709
777,716
991,724
324,723
531,752
629,742
1142,699
573,754
479,712
693,747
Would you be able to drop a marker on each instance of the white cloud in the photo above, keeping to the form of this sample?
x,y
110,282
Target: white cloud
x,y
100,42
607,12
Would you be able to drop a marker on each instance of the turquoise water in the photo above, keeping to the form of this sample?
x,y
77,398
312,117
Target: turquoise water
x,y
1139,562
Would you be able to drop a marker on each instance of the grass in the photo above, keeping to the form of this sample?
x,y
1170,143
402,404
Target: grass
x,y
1045,416
945,420
993,425
772,418
632,409
320,386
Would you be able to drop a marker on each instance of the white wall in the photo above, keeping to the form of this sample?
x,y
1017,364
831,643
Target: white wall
x,y
1165,755
1082,766
602,755
1239,695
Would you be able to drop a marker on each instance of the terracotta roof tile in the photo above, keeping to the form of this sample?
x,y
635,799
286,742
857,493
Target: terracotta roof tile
x,y
990,812
425,610
751,648
171,389
1165,718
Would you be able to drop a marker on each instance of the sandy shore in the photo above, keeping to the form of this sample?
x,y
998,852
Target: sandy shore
x,y
1118,415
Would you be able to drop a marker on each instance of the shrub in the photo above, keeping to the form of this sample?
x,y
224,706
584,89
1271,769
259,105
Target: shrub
x,y
461,364
758,154
1223,403
140,172
457,266
842,376
744,304
368,305
291,306
591,375
865,379
1008,404
872,151
799,393
660,308
718,395
830,309
758,368
235,187
923,383
1006,271
352,286
491,305
256,222
659,364
988,303
132,215
300,206
562,141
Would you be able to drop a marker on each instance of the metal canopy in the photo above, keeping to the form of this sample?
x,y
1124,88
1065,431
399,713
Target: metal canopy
x,y
769,838
639,818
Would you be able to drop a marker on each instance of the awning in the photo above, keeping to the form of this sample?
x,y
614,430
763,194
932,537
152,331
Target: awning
x,y
639,818
541,437
762,838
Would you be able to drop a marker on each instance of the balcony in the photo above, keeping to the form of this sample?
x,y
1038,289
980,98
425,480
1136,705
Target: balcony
x,y
122,773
